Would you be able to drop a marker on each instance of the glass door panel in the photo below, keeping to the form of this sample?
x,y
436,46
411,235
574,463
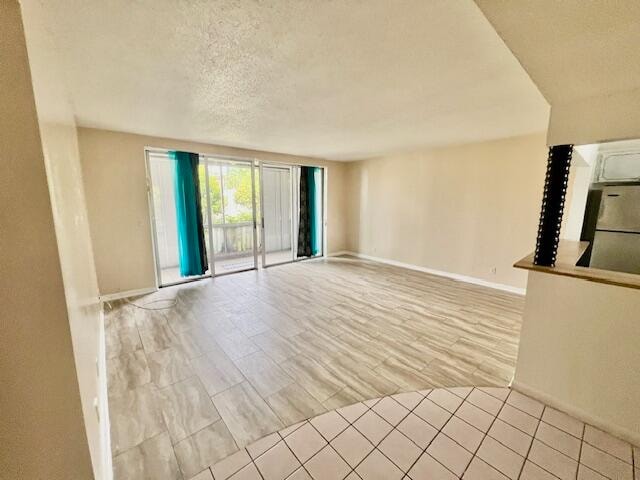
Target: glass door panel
x,y
232,213
233,193
161,170
277,220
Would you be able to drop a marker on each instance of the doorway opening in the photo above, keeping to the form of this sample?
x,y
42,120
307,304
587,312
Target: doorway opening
x,y
251,214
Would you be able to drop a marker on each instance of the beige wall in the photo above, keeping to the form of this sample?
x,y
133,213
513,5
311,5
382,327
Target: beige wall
x,y
81,288
463,209
113,167
66,192
42,434
579,350
579,347
596,119
579,342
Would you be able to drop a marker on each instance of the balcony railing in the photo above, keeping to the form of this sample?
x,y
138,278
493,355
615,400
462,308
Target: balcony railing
x,y
232,239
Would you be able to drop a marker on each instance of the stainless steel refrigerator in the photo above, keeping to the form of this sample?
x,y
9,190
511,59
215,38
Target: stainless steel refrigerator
x,y
616,245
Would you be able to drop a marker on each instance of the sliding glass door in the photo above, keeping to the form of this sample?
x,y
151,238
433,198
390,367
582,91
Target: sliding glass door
x,y
233,193
232,214
292,208
277,219
228,208
309,208
162,203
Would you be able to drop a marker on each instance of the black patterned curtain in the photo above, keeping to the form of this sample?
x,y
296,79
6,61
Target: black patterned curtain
x,y
304,223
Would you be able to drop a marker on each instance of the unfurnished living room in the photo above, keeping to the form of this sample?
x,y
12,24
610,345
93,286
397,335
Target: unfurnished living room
x,y
320,240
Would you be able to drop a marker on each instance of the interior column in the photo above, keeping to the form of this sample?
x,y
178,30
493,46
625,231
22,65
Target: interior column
x,y
555,189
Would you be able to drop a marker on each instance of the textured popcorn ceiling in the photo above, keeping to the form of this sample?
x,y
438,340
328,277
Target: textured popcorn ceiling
x,y
337,79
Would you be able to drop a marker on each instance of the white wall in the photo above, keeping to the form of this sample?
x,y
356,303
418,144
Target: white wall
x,y
464,209
580,177
579,350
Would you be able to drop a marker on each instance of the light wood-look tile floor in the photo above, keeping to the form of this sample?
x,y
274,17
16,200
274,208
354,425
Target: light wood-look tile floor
x,y
241,356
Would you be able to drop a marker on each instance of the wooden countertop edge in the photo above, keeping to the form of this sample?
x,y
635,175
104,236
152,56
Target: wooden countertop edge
x,y
568,255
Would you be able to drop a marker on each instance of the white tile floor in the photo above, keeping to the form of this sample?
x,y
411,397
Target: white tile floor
x,y
470,433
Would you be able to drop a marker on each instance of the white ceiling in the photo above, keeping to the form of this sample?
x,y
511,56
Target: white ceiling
x,y
573,49
339,79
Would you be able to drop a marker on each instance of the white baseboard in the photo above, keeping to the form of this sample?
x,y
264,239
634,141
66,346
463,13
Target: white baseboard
x,y
598,422
454,276
129,293
103,404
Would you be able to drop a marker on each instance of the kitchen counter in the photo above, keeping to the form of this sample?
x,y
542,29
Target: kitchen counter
x,y
569,253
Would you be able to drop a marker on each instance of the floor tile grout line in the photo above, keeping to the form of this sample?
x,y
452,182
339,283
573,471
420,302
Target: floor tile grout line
x,y
299,424
375,447
584,427
173,450
551,448
560,429
582,442
515,426
503,400
554,448
595,447
399,467
351,424
302,464
632,464
485,435
424,451
210,467
533,437
351,469
138,445
158,405
253,460
521,410
527,434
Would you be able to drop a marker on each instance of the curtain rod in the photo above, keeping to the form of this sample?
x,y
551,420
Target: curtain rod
x,y
165,151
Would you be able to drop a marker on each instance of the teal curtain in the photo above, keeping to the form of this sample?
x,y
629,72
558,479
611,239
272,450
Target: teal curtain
x,y
192,252
315,208
310,219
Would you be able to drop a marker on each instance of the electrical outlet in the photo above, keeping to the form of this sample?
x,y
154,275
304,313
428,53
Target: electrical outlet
x,y
494,270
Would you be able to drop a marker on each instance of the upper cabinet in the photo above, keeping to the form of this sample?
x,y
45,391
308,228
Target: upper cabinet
x,y
618,166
